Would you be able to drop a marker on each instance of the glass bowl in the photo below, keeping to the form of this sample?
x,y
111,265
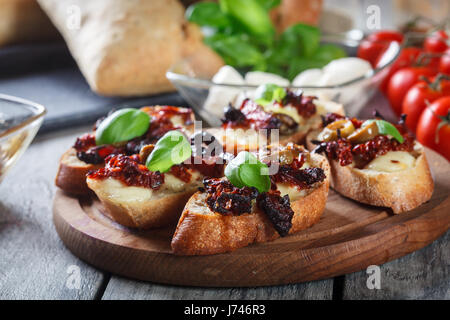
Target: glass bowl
x,y
193,81
20,120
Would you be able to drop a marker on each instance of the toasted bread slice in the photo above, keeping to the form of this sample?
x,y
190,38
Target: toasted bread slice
x,y
400,190
201,231
71,176
241,139
144,208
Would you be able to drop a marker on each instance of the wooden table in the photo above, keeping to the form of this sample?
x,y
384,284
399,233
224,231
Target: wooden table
x,y
34,264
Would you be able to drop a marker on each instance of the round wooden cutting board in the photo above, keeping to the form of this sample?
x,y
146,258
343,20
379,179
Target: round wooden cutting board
x,y
349,237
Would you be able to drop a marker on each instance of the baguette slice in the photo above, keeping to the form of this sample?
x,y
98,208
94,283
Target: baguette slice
x,y
138,207
201,231
400,190
71,175
236,140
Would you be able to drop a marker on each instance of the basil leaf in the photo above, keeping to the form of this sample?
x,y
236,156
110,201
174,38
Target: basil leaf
x,y
329,52
267,93
386,128
299,39
173,148
122,125
207,14
245,170
251,14
300,64
236,51
269,4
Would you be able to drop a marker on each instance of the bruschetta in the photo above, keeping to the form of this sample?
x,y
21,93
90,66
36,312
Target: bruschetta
x,y
222,217
254,124
86,155
374,162
136,197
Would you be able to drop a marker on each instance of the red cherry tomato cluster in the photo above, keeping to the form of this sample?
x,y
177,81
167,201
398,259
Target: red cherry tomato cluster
x,y
417,84
433,128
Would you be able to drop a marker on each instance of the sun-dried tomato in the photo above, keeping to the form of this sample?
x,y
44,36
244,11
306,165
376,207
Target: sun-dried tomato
x,y
181,172
233,117
379,146
226,199
278,210
212,167
330,117
302,179
87,150
129,171
167,112
85,142
304,104
255,117
346,153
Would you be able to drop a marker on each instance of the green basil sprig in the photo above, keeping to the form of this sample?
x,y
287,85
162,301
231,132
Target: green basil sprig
x,y
173,148
386,128
122,125
268,93
245,170
243,34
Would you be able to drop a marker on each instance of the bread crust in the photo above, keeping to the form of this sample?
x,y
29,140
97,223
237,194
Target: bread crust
x,y
71,175
202,232
24,21
152,213
401,191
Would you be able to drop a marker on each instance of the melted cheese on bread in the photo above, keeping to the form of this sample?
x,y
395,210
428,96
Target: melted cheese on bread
x,y
116,190
291,190
392,161
287,110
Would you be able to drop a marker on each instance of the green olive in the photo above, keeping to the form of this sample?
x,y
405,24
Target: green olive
x,y
329,133
283,154
288,153
364,134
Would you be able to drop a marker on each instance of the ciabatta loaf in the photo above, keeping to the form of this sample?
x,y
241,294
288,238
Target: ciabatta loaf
x,y
124,48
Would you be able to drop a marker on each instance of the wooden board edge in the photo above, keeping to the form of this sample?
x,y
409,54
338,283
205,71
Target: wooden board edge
x,y
396,242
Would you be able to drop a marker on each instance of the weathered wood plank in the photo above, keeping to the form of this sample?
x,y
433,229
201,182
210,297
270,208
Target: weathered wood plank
x,y
424,274
34,264
121,288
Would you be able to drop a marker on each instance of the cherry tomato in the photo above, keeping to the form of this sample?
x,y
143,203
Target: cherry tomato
x,y
386,35
433,128
444,63
436,42
422,94
401,81
371,51
375,44
406,58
